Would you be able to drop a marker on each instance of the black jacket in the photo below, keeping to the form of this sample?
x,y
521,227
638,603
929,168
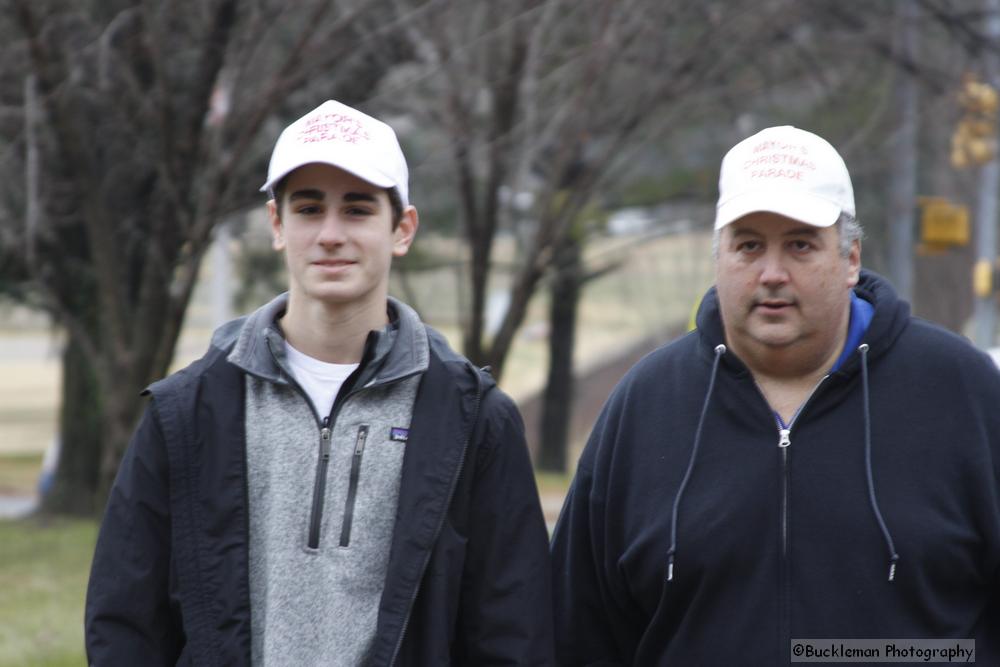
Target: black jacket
x,y
468,575
774,543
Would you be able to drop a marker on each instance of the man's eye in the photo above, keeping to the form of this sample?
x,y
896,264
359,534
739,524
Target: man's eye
x,y
356,211
308,209
801,246
748,246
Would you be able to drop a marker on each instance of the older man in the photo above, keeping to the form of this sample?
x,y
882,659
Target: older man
x,y
811,462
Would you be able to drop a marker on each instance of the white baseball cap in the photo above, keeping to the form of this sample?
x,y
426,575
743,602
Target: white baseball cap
x,y
787,171
335,134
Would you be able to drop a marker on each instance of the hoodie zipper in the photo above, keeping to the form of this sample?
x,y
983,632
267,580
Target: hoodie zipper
x,y
784,440
352,488
784,443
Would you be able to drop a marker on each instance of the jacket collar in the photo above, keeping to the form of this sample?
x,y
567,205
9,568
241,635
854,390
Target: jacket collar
x,y
398,350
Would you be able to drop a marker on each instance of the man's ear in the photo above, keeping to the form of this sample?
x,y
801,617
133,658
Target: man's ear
x,y
854,264
405,231
277,235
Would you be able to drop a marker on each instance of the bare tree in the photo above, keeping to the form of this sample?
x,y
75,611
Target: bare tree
x,y
137,126
533,94
553,98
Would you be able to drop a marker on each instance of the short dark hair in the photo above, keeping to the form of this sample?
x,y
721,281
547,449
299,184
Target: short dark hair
x,y
277,193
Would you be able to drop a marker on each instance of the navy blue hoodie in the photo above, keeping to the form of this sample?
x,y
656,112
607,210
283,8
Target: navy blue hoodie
x,y
773,543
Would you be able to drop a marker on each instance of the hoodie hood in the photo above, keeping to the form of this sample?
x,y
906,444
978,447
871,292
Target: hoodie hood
x,y
890,318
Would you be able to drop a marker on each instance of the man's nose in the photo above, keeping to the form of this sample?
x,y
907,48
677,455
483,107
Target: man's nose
x,y
773,270
332,230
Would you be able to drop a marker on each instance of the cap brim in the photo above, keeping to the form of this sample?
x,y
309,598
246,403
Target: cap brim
x,y
809,209
343,160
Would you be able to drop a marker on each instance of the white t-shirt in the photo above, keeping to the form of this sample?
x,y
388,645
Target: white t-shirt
x,y
320,380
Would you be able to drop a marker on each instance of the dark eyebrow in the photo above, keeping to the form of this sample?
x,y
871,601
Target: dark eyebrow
x,y
360,196
319,195
307,194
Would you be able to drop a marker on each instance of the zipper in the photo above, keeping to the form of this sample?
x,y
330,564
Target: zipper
x,y
785,592
785,595
319,487
784,442
325,433
323,461
444,515
352,489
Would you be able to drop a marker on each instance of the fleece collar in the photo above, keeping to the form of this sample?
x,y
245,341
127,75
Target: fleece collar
x,y
399,349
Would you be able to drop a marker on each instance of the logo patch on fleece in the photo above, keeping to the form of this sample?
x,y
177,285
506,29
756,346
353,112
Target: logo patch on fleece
x,y
399,434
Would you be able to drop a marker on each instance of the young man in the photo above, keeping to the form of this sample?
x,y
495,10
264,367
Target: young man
x,y
330,484
810,463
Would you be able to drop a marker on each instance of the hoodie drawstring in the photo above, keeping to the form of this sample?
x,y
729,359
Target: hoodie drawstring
x,y
893,556
719,351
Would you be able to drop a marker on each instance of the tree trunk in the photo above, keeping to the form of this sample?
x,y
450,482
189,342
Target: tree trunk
x,y
118,421
557,400
74,489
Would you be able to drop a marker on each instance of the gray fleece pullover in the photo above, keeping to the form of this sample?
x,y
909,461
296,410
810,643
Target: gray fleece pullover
x,y
317,604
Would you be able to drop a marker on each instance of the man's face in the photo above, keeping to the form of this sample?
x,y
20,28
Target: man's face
x,y
784,290
337,234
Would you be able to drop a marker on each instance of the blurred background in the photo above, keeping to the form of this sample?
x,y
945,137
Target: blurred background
x,y
564,159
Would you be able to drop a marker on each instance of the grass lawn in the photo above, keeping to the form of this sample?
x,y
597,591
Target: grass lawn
x,y
43,576
555,483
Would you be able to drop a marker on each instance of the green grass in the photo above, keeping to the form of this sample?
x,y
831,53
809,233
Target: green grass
x,y
553,482
43,578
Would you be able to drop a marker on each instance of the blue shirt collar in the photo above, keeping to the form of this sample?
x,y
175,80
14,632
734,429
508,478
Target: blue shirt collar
x,y
861,317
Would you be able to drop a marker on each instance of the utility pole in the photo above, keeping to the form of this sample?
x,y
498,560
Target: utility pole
x,y
903,179
221,286
984,314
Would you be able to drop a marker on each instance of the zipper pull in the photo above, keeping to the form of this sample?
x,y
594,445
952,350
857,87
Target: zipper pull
x,y
359,446
783,437
324,439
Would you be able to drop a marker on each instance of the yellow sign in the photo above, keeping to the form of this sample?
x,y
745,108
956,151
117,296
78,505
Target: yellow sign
x,y
982,279
943,223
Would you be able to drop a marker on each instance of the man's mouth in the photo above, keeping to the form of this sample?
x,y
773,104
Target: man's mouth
x,y
333,263
773,305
